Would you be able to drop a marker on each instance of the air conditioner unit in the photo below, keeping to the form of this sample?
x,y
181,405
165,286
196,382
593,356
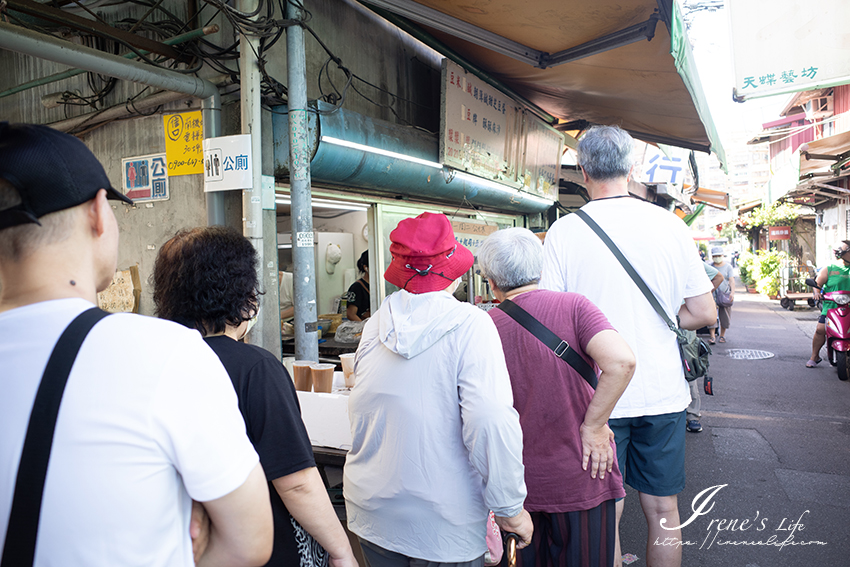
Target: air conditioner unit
x,y
818,108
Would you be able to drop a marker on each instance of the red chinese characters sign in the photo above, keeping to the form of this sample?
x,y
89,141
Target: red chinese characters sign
x,y
779,233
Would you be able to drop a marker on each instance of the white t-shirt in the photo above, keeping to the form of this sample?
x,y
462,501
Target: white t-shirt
x,y
658,245
149,420
285,290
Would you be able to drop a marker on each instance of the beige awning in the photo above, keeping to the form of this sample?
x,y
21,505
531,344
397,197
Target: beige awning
x,y
649,88
830,146
717,199
747,207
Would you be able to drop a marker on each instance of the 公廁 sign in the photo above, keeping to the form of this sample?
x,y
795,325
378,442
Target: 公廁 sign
x,y
779,233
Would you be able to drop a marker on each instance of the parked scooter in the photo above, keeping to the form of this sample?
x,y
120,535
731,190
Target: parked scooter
x,y
837,330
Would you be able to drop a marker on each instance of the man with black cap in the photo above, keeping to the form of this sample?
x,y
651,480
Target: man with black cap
x,y
99,464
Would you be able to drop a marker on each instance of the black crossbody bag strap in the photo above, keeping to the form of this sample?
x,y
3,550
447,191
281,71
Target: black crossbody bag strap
x,y
629,269
21,534
560,347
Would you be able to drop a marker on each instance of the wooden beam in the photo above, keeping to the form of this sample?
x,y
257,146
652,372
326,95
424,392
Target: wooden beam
x,y
91,26
830,187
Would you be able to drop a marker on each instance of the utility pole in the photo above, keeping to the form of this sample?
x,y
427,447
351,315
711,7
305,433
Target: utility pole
x,y
266,333
303,256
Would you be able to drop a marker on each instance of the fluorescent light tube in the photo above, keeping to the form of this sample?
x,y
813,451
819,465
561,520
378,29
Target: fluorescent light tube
x,y
378,151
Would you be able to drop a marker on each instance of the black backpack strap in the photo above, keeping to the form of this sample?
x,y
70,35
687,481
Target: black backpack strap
x,y
560,347
21,533
629,269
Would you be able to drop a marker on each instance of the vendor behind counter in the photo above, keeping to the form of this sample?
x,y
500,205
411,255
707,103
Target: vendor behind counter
x,y
358,300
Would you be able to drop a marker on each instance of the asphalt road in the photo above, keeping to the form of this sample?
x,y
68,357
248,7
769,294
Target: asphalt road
x,y
777,435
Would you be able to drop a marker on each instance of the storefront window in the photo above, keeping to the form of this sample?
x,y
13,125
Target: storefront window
x,y
470,230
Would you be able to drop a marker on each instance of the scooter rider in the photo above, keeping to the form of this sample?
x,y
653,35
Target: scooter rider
x,y
835,277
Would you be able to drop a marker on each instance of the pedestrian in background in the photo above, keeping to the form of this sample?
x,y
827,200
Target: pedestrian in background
x,y
568,449
649,419
148,419
436,440
693,413
206,279
724,296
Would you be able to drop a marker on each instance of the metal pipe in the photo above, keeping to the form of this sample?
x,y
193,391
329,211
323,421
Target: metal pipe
x,y
304,269
22,40
358,151
122,110
252,202
43,46
176,40
117,111
211,113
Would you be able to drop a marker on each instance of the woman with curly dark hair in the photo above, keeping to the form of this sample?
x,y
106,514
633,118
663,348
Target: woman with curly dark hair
x,y
206,279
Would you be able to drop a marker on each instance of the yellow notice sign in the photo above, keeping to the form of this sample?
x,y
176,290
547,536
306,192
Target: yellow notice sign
x,y
184,143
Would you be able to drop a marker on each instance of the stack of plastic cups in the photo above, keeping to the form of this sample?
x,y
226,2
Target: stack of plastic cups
x,y
347,361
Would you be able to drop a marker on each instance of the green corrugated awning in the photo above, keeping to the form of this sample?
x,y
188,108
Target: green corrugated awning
x,y
680,49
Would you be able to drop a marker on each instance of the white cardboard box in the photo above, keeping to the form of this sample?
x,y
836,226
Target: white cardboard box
x,y
326,419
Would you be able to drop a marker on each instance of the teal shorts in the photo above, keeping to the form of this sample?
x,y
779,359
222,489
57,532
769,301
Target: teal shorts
x,y
651,452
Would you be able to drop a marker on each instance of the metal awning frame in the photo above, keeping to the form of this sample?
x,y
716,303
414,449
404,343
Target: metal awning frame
x,y
814,189
448,24
841,161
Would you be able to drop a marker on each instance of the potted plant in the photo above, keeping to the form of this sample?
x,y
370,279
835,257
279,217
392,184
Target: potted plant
x,y
767,266
745,271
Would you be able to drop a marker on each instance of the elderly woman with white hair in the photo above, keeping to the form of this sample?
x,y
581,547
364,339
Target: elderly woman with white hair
x,y
571,472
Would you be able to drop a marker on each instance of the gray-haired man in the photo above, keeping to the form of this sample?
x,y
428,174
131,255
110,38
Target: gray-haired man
x,y
649,419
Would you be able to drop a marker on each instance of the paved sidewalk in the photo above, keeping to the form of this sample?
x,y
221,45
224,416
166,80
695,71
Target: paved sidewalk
x,y
777,435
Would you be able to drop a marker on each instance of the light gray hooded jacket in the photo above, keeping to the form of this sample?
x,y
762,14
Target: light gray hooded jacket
x,y
436,440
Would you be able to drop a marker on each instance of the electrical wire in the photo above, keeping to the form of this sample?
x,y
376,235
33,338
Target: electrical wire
x,y
261,23
794,131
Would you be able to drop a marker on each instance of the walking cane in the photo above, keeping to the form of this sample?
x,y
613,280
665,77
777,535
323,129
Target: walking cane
x,y
510,545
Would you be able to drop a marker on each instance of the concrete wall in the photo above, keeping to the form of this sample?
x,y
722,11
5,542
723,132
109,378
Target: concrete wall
x,y
146,226
367,45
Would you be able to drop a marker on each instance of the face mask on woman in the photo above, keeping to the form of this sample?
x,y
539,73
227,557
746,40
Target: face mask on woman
x,y
251,322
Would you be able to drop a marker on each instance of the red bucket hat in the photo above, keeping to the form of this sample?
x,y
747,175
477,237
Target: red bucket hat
x,y
426,256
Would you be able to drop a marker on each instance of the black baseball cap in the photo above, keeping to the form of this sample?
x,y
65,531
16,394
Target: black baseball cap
x,y
51,170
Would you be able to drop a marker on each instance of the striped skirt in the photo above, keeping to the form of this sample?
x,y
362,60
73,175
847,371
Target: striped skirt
x,y
571,539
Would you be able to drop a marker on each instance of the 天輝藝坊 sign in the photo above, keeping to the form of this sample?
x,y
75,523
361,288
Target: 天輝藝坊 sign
x,y
786,46
779,233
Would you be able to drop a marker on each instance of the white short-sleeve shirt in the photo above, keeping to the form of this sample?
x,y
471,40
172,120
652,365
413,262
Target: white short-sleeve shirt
x,y
149,421
658,245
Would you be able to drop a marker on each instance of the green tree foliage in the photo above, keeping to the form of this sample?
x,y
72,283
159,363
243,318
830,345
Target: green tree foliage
x,y
778,214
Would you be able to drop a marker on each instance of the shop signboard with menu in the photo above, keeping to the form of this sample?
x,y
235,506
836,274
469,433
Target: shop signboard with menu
x,y
486,133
